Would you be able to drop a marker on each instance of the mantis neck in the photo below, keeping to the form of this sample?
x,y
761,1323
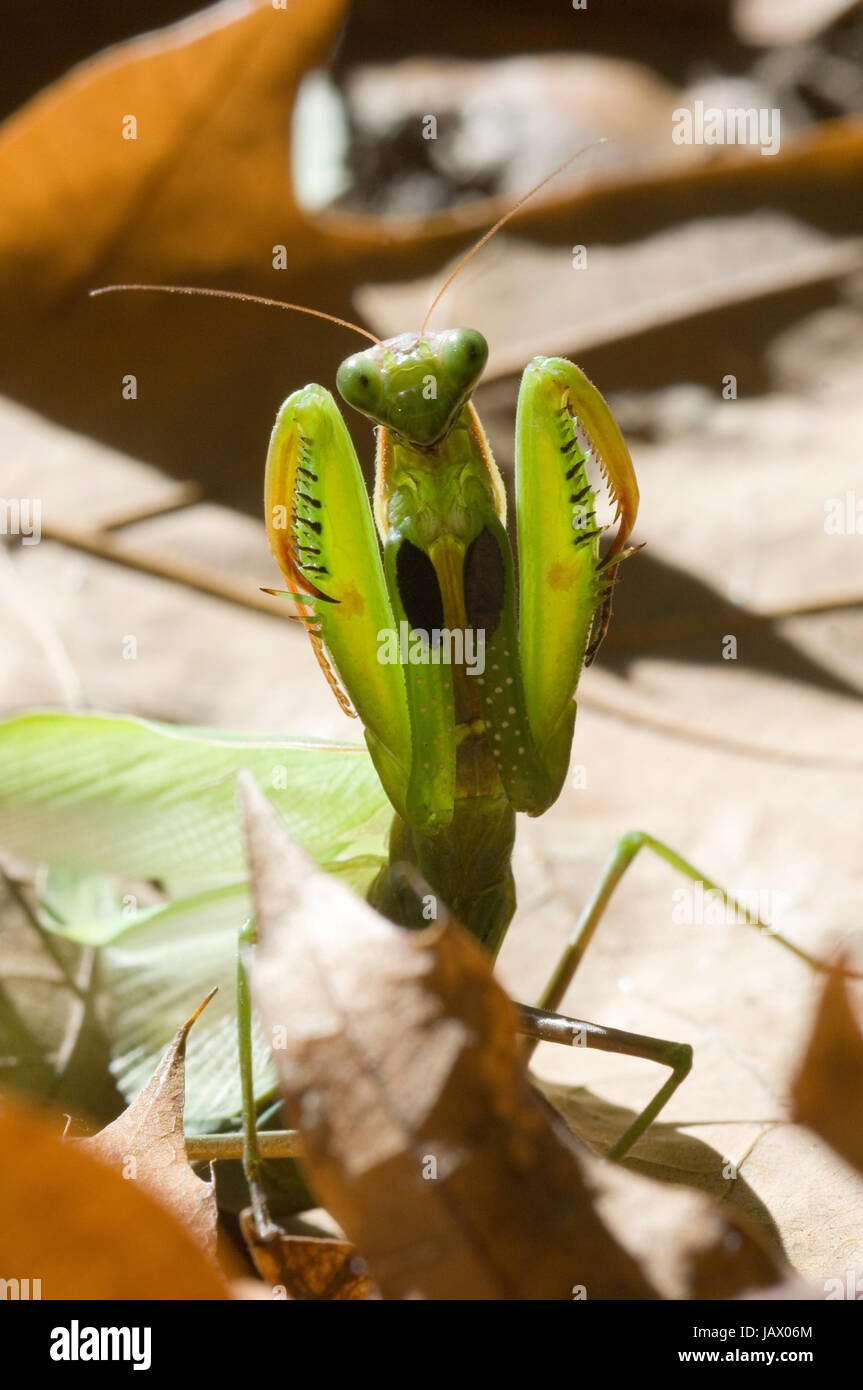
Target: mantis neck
x,y
467,865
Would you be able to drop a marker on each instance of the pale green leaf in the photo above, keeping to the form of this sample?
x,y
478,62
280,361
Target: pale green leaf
x,y
158,971
126,796
95,795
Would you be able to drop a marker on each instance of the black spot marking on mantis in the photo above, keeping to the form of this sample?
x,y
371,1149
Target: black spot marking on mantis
x,y
484,579
418,587
312,501
580,496
569,446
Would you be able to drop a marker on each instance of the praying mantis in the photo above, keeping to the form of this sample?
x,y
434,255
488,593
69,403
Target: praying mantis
x,y
464,734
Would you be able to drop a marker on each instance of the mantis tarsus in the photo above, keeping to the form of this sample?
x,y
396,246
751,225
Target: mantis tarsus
x,y
459,750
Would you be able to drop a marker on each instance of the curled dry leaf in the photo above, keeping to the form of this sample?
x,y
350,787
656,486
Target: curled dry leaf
x,y
150,145
401,1067
828,1091
146,1144
196,189
318,1268
81,1229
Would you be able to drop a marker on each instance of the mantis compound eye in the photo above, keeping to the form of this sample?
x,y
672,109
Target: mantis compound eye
x,y
464,353
360,383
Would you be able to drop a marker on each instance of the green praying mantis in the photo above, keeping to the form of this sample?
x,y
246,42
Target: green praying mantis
x,y
462,667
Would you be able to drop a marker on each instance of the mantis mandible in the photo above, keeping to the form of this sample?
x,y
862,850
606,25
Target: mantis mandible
x,y
461,746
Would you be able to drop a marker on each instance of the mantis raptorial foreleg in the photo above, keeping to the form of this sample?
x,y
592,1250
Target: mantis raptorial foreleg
x,y
563,583
335,572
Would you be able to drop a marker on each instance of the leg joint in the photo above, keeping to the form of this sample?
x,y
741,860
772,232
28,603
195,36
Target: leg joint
x,y
634,840
680,1058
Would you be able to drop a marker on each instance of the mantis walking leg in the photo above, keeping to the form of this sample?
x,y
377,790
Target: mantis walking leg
x,y
539,1025
621,857
542,1025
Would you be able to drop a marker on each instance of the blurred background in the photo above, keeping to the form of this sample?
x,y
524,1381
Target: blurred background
x,y
345,156
303,127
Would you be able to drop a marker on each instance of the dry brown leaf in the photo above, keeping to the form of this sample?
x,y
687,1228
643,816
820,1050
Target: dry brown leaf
x,y
146,1144
401,1067
91,199
202,195
81,1229
202,192
828,1090
689,1246
400,1050
308,1268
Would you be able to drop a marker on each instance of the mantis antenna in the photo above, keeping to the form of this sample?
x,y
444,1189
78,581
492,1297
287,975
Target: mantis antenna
x,y
333,318
235,294
487,236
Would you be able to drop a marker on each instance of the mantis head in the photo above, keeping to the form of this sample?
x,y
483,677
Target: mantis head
x,y
416,386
